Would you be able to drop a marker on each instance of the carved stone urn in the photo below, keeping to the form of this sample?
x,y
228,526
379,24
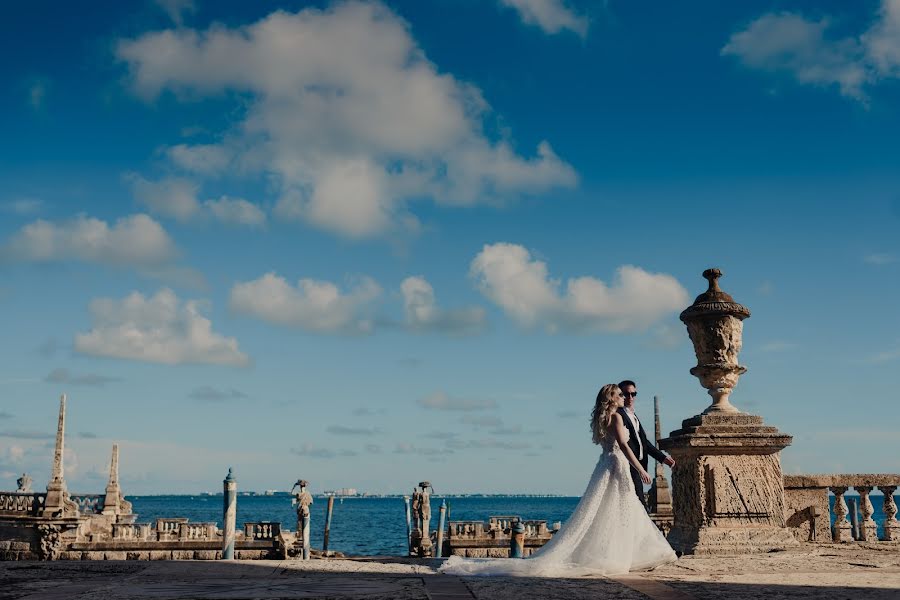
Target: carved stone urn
x,y
727,483
715,324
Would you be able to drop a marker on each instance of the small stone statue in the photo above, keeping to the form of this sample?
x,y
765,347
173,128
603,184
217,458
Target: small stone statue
x,y
24,482
302,499
421,516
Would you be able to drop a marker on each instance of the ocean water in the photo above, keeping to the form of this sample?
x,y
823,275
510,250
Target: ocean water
x,y
363,526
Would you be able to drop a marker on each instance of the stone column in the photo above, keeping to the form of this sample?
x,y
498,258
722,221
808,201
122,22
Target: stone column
x,y
113,492
230,516
727,484
660,496
841,531
891,526
58,503
868,529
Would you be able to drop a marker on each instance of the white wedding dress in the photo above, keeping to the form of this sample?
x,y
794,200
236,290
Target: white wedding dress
x,y
609,533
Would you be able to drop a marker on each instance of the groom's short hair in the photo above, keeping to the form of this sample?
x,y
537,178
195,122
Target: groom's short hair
x,y
626,382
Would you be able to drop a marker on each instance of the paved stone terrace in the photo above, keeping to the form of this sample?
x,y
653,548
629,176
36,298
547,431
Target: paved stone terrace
x,y
840,571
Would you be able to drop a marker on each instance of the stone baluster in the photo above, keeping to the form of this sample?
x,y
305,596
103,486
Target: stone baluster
x,y
891,526
868,529
841,531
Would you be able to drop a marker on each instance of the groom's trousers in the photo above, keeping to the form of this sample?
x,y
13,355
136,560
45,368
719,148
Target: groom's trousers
x,y
638,486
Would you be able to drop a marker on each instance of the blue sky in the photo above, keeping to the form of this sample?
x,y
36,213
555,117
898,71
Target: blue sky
x,y
370,243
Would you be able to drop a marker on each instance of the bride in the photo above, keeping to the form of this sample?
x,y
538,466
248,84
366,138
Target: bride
x,y
609,533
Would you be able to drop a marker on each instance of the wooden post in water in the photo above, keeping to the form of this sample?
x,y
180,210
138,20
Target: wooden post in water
x,y
230,516
328,511
408,524
440,531
854,519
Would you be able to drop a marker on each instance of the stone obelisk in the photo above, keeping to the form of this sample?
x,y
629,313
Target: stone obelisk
x,y
660,496
728,489
113,496
57,503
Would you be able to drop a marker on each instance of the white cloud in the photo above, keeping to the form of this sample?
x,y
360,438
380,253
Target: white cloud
x,y
552,16
441,401
345,430
520,285
880,259
23,206
65,376
423,314
235,211
173,197
136,240
177,8
158,329
310,451
311,305
791,43
346,115
176,198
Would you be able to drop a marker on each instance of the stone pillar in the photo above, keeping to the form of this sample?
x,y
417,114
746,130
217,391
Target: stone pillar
x,y
660,496
841,531
728,489
58,503
891,526
230,516
868,529
113,492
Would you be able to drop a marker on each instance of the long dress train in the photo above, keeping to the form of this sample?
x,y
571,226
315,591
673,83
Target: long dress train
x,y
609,533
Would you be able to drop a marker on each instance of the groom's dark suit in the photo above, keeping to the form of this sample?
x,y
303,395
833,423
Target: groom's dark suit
x,y
649,450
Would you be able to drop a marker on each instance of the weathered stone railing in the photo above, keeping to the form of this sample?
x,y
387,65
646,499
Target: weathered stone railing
x,y
169,529
131,531
197,531
89,504
492,539
21,504
807,510
262,530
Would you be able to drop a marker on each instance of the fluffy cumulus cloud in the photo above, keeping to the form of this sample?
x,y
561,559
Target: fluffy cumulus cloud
x,y
136,240
311,305
176,198
346,115
157,329
794,44
552,16
423,314
522,286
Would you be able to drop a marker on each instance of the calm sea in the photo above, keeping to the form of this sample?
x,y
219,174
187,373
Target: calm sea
x,y
362,526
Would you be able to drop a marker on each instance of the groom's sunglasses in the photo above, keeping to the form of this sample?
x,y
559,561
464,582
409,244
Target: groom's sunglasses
x,y
630,394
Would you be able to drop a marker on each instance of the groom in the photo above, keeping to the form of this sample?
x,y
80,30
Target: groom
x,y
638,438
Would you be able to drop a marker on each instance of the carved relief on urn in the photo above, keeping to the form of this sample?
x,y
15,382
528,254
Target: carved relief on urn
x,y
715,324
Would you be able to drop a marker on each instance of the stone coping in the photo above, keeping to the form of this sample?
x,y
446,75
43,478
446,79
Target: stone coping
x,y
839,480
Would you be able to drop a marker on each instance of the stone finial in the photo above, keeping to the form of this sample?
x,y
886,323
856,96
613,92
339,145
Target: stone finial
x,y
715,325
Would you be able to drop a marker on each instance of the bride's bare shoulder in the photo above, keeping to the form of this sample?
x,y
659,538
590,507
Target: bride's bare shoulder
x,y
616,418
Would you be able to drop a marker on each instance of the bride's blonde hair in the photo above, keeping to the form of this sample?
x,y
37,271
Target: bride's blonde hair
x,y
604,409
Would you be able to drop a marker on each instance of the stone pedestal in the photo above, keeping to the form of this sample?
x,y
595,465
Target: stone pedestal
x,y
727,485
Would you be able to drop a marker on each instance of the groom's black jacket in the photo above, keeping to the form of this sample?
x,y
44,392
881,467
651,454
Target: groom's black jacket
x,y
649,449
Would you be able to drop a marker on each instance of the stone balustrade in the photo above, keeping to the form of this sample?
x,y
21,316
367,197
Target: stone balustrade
x,y
169,528
88,504
21,504
138,532
808,512
492,539
262,530
197,531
